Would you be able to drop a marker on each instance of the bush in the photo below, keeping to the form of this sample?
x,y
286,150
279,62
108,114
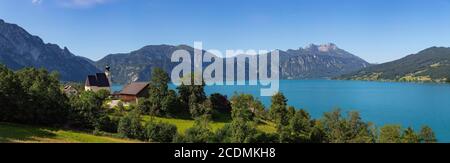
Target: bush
x,y
199,133
160,132
130,126
108,124
86,110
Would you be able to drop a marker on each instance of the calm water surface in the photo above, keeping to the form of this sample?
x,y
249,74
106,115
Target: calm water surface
x,y
408,104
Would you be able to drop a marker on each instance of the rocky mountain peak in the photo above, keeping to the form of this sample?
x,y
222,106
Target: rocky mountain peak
x,y
321,48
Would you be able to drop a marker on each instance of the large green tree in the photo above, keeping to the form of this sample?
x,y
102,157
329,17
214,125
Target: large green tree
x,y
86,110
43,101
390,134
158,90
193,96
243,107
11,96
278,110
350,129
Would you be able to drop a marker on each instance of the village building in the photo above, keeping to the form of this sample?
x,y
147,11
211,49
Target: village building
x,y
70,91
133,91
99,81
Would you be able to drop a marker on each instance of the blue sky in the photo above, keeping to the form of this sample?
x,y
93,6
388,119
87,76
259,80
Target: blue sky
x,y
375,30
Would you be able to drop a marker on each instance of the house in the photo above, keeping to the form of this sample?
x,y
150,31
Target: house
x,y
99,81
70,90
133,91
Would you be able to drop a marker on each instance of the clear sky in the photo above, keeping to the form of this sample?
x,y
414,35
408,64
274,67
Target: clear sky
x,y
375,30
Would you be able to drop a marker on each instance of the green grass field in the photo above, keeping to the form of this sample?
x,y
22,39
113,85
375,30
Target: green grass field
x,y
14,133
183,124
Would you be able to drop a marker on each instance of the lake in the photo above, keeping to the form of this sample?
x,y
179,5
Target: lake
x,y
407,104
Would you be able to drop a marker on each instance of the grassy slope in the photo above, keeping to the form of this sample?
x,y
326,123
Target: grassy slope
x,y
183,124
14,133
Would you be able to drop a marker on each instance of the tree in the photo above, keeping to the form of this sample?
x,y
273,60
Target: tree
x,y
43,101
334,126
278,110
358,130
191,96
220,105
130,126
158,90
203,109
143,105
160,132
170,104
243,107
86,110
347,130
427,135
243,132
300,126
259,110
11,95
409,136
199,133
390,134
290,112
159,82
318,134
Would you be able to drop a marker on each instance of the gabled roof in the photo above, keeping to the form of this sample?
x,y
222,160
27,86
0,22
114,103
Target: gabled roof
x,y
134,88
99,80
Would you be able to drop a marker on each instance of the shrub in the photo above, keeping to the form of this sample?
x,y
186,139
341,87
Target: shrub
x,y
199,133
160,132
130,126
107,124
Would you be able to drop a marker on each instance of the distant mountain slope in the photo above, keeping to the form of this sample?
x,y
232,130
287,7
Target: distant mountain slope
x,y
20,49
314,61
318,61
137,65
432,64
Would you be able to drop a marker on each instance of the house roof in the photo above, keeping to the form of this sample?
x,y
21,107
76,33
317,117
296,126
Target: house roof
x,y
134,88
99,80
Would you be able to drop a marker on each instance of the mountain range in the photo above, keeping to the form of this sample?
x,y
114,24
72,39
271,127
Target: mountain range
x,y
313,61
19,49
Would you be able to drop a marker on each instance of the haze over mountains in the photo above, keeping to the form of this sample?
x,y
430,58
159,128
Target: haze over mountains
x,y
19,49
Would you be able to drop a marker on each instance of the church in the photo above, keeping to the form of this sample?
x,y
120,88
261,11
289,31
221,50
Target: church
x,y
99,81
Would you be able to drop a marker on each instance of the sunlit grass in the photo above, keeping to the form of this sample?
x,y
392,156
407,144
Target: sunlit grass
x,y
14,133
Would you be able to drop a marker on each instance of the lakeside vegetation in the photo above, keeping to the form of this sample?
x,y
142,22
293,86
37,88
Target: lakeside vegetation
x,y
34,97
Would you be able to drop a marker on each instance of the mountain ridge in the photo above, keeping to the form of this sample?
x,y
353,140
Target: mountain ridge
x,y
19,49
325,61
428,65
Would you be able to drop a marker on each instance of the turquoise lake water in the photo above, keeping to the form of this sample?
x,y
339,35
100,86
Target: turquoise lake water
x,y
407,104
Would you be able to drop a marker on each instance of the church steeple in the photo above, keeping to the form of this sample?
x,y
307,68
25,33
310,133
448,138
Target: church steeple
x,y
108,74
